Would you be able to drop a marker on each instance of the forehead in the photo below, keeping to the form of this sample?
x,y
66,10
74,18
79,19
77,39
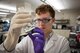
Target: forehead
x,y
43,15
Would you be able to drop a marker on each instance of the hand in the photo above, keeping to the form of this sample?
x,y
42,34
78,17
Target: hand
x,y
37,37
19,20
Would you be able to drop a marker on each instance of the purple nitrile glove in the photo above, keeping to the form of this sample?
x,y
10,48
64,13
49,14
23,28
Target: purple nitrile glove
x,y
37,36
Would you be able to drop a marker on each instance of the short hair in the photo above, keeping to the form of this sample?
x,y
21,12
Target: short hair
x,y
45,8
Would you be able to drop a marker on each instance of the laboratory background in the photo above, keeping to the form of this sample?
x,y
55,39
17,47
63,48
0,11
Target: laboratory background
x,y
67,18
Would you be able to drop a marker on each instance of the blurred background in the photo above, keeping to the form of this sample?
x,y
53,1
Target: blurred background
x,y
67,18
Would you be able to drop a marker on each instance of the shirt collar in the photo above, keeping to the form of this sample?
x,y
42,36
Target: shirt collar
x,y
50,35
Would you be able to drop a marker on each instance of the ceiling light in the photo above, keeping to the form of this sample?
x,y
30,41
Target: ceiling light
x,y
1,13
57,4
8,7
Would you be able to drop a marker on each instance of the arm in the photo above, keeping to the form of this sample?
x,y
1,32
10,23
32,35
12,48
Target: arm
x,y
19,20
21,47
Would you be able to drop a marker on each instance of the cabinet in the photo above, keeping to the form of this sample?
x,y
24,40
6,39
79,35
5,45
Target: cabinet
x,y
62,21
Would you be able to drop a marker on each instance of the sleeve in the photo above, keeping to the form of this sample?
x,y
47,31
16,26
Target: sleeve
x,y
65,46
20,47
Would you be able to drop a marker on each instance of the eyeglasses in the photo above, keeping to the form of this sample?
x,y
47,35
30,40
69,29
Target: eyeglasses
x,y
45,20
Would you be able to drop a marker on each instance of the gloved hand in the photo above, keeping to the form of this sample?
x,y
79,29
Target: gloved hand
x,y
37,37
19,20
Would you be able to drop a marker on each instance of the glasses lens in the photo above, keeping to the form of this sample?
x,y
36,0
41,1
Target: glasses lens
x,y
43,20
46,20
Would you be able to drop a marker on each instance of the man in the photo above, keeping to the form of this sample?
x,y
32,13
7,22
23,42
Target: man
x,y
44,21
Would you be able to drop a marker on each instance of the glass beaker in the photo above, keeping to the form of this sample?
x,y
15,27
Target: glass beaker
x,y
31,24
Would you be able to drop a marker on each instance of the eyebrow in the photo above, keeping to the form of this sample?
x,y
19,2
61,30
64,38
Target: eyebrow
x,y
45,18
48,17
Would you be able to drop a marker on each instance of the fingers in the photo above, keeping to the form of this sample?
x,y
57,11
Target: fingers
x,y
21,16
22,21
15,26
22,12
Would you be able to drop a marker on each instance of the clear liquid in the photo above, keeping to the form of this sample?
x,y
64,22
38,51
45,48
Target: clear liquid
x,y
31,24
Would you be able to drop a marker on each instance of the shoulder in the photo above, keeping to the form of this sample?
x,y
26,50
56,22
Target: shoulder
x,y
63,43
59,38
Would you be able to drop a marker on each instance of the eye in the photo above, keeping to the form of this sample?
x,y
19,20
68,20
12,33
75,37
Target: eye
x,y
47,20
43,20
37,20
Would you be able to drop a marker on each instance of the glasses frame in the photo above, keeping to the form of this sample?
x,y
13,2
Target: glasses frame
x,y
44,20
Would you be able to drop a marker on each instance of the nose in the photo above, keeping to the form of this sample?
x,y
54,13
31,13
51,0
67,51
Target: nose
x,y
41,24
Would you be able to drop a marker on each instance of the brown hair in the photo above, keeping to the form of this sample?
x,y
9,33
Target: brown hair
x,y
45,8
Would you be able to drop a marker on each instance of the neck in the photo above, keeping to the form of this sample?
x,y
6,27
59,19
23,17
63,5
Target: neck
x,y
47,34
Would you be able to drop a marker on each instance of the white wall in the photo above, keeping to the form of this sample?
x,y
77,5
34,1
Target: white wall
x,y
68,14
64,33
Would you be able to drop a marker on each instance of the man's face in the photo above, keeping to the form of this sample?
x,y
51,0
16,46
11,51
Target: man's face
x,y
44,21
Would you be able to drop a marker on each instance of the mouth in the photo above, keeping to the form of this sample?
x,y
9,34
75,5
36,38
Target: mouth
x,y
43,28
